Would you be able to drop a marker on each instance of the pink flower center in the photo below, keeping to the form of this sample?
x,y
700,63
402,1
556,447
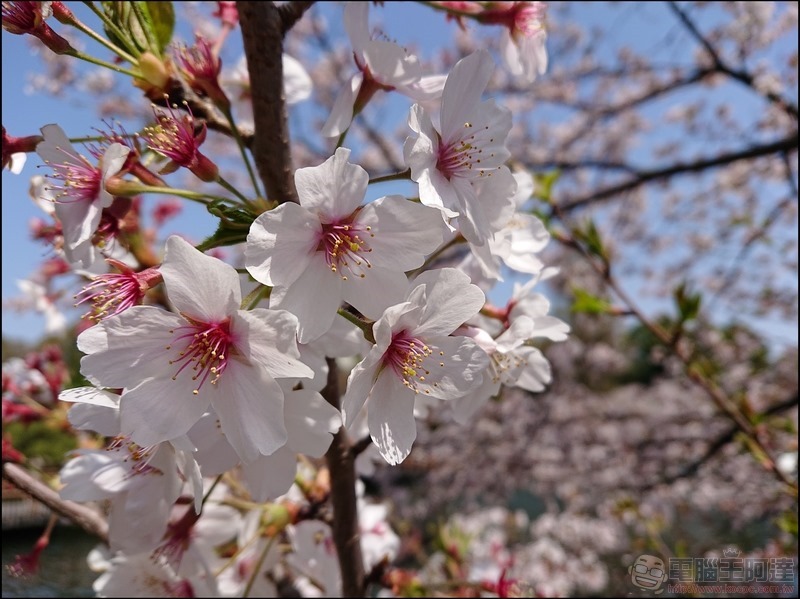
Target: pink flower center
x,y
207,349
110,294
406,357
174,137
22,17
464,157
82,181
130,452
345,247
529,19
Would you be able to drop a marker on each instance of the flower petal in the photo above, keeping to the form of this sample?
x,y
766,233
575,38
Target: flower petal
x,y
269,476
334,189
200,286
249,404
342,112
267,338
462,92
451,301
310,422
391,419
280,244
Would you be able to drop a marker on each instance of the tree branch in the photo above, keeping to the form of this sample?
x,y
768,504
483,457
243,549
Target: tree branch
x,y
88,519
262,31
739,75
290,13
341,464
787,144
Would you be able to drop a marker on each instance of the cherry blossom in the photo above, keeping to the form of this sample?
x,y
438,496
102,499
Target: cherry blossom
x,y
382,65
414,354
460,166
211,352
330,248
80,200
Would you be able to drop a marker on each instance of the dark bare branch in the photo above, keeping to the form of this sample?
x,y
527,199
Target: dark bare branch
x,y
290,13
262,31
788,144
341,464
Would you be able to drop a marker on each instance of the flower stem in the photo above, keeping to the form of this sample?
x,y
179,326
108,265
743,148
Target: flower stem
x,y
112,27
406,174
255,296
235,192
260,563
194,196
99,38
103,63
366,327
240,142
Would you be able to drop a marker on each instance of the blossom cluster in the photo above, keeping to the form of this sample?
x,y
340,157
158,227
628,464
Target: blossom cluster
x,y
227,370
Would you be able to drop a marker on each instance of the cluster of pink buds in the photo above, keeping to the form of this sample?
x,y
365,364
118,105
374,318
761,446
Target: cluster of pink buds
x,y
22,18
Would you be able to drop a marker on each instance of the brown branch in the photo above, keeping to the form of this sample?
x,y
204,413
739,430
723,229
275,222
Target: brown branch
x,y
740,75
88,519
341,464
262,31
290,13
361,445
787,144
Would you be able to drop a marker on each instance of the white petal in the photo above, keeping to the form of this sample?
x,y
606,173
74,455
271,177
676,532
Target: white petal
x,y
200,286
267,338
342,112
451,300
454,368
391,419
249,404
129,347
269,476
550,327
404,232
356,23
426,89
314,298
100,419
159,410
79,221
390,64
17,162
334,189
536,373
310,422
56,148
464,408
297,84
214,453
376,291
112,162
462,92
280,244
359,386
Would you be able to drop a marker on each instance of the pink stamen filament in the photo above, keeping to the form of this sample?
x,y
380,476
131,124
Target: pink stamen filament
x,y
110,294
458,157
140,456
82,182
345,248
406,357
207,350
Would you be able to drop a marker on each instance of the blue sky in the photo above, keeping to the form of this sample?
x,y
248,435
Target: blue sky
x,y
409,23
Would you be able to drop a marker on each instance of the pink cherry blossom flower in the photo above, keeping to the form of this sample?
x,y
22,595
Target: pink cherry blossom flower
x,y
382,65
524,36
415,354
113,293
330,248
82,195
174,137
460,168
173,366
200,67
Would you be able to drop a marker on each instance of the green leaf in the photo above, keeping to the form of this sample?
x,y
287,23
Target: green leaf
x,y
233,227
543,184
688,303
162,22
587,303
590,237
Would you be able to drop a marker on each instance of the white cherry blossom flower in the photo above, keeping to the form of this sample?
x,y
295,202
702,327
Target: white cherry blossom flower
x,y
173,366
460,166
414,354
523,42
80,200
331,248
382,65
